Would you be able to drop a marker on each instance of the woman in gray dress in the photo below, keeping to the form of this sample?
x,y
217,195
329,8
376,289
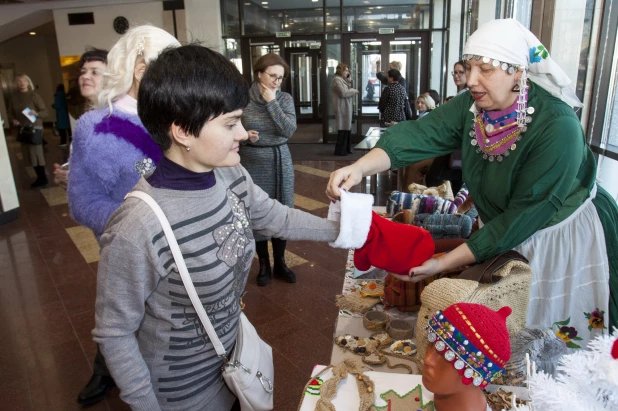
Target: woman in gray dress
x,y
270,120
343,97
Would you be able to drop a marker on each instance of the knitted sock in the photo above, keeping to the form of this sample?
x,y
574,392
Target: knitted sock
x,y
394,247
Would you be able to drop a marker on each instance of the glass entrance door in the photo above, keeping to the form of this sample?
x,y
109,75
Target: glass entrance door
x,y
304,81
371,54
364,60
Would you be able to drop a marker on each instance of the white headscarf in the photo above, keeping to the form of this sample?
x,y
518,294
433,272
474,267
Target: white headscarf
x,y
509,41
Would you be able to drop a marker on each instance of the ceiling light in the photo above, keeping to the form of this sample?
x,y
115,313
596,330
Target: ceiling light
x,y
264,2
314,1
379,7
33,33
247,4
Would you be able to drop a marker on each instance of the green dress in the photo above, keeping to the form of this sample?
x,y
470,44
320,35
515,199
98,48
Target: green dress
x,y
543,181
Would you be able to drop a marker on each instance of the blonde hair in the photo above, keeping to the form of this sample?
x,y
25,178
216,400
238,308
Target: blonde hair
x,y
25,76
396,65
429,102
141,44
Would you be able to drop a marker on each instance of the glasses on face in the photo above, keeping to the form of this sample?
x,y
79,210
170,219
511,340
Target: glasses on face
x,y
274,77
458,73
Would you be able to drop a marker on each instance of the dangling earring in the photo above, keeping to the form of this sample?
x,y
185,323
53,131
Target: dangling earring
x,y
515,88
188,148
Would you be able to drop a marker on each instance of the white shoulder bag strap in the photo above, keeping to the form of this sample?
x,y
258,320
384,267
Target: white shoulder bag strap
x,y
184,273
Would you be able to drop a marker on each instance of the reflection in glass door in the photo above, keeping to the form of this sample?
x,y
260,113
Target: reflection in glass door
x,y
364,56
370,54
304,82
407,51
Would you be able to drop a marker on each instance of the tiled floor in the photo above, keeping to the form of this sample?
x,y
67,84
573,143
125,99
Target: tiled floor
x,y
48,266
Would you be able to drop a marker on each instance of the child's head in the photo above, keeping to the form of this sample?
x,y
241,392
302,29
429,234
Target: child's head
x,y
190,100
469,345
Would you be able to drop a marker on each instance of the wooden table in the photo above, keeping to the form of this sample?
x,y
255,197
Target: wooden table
x,y
352,324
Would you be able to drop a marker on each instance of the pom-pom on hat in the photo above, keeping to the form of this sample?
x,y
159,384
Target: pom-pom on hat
x,y
474,338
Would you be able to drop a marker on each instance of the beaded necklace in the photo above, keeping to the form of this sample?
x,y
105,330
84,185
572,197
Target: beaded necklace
x,y
495,143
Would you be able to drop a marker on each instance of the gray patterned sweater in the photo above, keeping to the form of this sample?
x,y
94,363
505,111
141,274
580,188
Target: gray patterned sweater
x,y
152,340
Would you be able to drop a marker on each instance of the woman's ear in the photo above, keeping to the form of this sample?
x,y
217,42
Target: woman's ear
x,y
518,75
138,72
180,137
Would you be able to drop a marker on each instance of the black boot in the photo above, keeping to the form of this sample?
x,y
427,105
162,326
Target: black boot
x,y
340,146
280,269
265,274
41,177
348,142
96,389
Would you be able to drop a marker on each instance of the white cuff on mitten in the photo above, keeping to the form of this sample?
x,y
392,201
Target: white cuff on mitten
x,y
353,212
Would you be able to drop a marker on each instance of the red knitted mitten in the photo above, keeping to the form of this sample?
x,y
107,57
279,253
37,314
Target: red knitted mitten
x,y
394,247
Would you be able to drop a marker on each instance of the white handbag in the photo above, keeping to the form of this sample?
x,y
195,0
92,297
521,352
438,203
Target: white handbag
x,y
249,371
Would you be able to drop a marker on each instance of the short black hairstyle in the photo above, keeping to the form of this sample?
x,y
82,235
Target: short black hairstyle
x,y
459,63
188,86
93,54
394,74
434,95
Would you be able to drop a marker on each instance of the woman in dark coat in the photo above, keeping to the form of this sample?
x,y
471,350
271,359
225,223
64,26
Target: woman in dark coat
x,y
270,120
62,114
392,104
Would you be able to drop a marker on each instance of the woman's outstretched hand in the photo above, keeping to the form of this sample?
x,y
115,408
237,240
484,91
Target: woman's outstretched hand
x,y
344,178
429,268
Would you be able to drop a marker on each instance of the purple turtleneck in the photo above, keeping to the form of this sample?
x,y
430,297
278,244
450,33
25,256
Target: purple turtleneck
x,y
173,176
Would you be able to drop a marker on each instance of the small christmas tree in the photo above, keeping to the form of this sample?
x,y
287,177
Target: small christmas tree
x,y
586,380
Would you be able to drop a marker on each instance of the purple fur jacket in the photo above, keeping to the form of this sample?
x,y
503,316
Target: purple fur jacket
x,y
108,157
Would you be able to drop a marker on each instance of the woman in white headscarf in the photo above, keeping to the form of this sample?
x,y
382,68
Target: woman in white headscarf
x,y
532,177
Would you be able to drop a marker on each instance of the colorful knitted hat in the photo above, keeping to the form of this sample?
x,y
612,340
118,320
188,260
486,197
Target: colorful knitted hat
x,y
474,339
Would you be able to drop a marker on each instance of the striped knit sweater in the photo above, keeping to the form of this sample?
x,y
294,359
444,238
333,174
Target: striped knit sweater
x,y
152,340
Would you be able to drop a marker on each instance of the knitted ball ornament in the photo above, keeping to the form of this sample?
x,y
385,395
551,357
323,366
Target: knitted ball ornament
x,y
474,338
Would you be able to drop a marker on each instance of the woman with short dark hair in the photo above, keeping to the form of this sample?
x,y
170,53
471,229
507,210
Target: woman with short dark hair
x,y
392,104
270,118
191,101
111,150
